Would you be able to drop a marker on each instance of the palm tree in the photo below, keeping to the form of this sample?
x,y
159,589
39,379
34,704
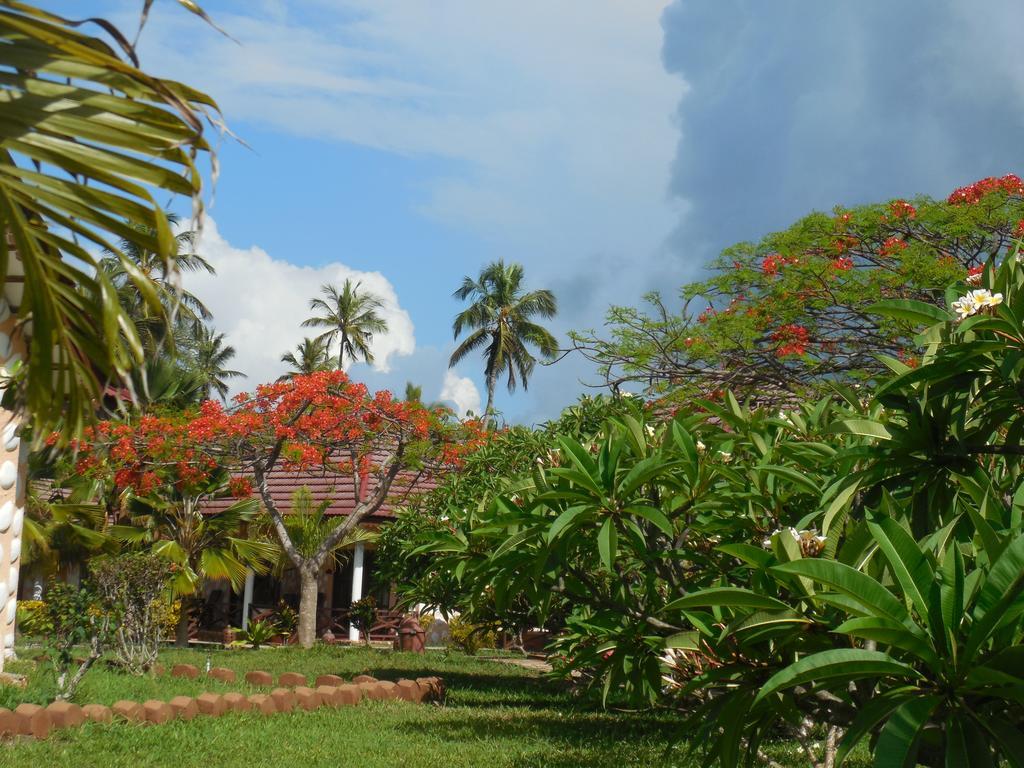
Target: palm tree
x,y
178,309
413,393
309,356
350,317
500,317
170,523
208,360
93,142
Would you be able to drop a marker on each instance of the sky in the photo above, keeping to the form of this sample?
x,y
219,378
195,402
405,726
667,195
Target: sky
x,y
610,146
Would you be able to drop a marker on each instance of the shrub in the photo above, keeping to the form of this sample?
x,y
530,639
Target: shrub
x,y
76,618
133,588
32,618
256,634
469,637
364,613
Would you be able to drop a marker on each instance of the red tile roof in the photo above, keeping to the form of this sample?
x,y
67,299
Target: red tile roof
x,y
338,489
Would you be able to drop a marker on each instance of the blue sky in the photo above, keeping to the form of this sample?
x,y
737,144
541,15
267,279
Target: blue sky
x,y
611,146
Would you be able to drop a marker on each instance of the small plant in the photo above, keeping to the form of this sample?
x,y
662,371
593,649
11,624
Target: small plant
x,y
363,615
133,588
286,619
76,618
469,637
32,618
258,633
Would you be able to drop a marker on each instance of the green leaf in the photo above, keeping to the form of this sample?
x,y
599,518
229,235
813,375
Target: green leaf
x,y
726,597
897,742
918,312
908,564
849,581
564,520
844,665
607,543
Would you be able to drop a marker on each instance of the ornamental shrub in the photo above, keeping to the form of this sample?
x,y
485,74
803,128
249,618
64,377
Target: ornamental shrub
x,y
133,588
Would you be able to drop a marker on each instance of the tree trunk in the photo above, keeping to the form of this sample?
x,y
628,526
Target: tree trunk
x,y
492,380
181,630
341,351
308,578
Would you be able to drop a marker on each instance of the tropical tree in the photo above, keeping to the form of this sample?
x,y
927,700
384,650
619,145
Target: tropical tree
x,y
169,521
350,317
318,423
500,318
787,316
179,309
208,359
310,356
89,141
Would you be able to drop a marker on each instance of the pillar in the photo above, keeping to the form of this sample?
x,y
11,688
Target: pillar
x,y
13,475
250,579
357,585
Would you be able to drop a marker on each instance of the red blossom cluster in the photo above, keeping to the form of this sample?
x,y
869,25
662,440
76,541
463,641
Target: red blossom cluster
x,y
901,209
842,264
1009,184
320,421
1018,231
773,262
792,339
892,246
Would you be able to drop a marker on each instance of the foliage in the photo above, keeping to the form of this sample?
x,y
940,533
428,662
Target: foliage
x,y
350,317
470,638
791,314
310,356
76,617
500,321
258,633
89,140
208,358
32,618
850,568
286,619
363,615
133,588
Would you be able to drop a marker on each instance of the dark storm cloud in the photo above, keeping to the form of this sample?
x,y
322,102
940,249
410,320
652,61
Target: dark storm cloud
x,y
795,106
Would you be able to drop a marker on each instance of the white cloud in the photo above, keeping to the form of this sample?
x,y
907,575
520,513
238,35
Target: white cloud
x,y
461,391
260,302
559,116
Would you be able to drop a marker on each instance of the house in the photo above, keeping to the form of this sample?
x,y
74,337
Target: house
x,y
340,584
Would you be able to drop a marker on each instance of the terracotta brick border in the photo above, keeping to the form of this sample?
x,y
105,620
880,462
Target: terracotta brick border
x,y
34,721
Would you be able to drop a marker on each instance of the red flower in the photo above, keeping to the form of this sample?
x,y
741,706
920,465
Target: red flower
x,y
901,209
1009,184
792,340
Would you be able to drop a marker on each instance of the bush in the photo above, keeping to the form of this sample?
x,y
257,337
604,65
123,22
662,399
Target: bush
x,y
469,637
133,588
76,618
364,613
33,619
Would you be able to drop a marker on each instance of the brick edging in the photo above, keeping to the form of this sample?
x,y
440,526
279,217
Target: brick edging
x,y
292,692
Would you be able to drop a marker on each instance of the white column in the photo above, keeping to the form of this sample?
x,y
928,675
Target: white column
x,y
250,578
357,586
13,470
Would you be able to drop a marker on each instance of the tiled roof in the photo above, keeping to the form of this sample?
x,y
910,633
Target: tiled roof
x,y
338,489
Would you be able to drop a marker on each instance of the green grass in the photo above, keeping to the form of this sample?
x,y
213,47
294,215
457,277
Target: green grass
x,y
497,716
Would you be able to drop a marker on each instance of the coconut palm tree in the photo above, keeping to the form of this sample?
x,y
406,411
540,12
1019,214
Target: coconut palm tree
x,y
179,309
170,523
500,319
88,141
350,315
208,360
309,356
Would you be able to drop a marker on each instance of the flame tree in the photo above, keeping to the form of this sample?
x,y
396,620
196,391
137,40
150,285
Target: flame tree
x,y
321,422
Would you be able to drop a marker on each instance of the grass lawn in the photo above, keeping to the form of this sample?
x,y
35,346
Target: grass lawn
x,y
497,715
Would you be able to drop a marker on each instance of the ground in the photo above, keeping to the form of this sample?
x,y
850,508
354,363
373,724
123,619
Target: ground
x,y
497,715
